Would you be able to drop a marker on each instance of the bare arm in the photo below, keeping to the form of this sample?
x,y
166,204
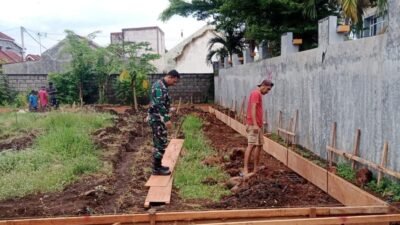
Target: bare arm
x,y
253,115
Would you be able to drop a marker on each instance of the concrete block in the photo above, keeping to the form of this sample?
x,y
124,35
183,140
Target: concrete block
x,y
327,32
287,46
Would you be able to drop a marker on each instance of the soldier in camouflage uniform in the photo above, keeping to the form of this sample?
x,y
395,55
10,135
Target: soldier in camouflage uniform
x,y
159,119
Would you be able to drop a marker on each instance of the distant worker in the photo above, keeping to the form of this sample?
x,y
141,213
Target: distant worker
x,y
43,99
254,122
52,91
33,101
159,118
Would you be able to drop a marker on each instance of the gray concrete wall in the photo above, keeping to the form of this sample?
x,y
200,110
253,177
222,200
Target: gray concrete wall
x,y
357,85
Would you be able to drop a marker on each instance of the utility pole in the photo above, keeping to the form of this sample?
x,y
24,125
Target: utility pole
x,y
23,45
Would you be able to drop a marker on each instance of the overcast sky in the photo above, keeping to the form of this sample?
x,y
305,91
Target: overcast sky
x,y
50,18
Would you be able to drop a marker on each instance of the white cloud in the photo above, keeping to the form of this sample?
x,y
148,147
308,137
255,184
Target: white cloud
x,y
52,17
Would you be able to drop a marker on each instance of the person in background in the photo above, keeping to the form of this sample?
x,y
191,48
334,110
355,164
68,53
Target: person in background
x,y
33,101
43,99
255,137
52,91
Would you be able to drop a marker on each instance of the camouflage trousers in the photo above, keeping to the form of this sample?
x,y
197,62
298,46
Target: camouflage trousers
x,y
160,138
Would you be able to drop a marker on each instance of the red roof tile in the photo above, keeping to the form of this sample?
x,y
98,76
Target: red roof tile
x,y
31,57
5,37
9,57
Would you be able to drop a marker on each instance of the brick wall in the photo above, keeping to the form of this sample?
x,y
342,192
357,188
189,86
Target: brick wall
x,y
26,83
199,87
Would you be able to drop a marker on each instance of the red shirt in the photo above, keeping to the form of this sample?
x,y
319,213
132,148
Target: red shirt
x,y
43,97
255,98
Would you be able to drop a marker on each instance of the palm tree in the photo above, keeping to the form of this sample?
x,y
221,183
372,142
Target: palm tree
x,y
232,43
351,9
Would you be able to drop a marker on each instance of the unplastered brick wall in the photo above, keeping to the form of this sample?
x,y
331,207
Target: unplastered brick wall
x,y
26,83
198,88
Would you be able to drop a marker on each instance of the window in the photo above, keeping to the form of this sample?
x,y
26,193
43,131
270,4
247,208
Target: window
x,y
374,25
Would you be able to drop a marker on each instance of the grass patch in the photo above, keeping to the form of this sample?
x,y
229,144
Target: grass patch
x,y
344,170
59,156
190,171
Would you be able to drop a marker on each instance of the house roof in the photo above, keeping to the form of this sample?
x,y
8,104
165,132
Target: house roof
x,y
31,57
143,28
176,51
6,37
9,57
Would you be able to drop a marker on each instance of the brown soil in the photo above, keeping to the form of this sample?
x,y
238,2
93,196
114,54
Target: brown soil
x,y
17,143
127,150
273,186
120,192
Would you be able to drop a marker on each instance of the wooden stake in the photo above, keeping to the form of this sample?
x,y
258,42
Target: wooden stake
x,y
289,128
356,147
179,105
279,121
266,122
296,118
333,143
383,160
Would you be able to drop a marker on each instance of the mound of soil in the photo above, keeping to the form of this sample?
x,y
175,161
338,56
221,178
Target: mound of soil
x,y
17,143
273,186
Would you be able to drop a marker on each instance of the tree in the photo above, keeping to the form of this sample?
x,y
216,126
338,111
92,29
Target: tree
x,y
83,62
137,59
232,43
258,19
106,64
5,92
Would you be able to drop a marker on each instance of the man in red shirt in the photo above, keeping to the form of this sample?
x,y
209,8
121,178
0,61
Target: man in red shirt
x,y
255,137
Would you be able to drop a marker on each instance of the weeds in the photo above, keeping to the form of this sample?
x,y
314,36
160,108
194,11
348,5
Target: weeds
x,y
190,171
58,156
344,170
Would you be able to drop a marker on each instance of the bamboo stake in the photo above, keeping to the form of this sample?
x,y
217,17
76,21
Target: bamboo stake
x,y
179,105
356,147
333,143
296,118
279,122
289,128
383,160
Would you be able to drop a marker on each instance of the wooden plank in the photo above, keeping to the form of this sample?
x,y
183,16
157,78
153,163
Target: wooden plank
x,y
286,132
349,194
158,181
201,215
363,161
310,171
333,144
383,160
276,150
356,148
170,158
374,219
338,188
159,194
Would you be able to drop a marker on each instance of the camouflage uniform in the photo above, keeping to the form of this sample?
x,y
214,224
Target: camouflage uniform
x,y
158,116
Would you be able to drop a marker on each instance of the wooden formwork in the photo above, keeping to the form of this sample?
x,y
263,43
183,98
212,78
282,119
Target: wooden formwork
x,y
360,207
318,215
340,189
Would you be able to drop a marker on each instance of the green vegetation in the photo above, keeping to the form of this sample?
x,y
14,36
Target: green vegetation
x,y
269,19
387,188
344,170
191,172
61,153
91,68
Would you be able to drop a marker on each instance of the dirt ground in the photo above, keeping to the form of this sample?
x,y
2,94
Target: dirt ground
x,y
127,150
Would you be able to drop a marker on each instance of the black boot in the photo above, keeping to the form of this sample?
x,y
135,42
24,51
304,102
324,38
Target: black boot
x,y
159,170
